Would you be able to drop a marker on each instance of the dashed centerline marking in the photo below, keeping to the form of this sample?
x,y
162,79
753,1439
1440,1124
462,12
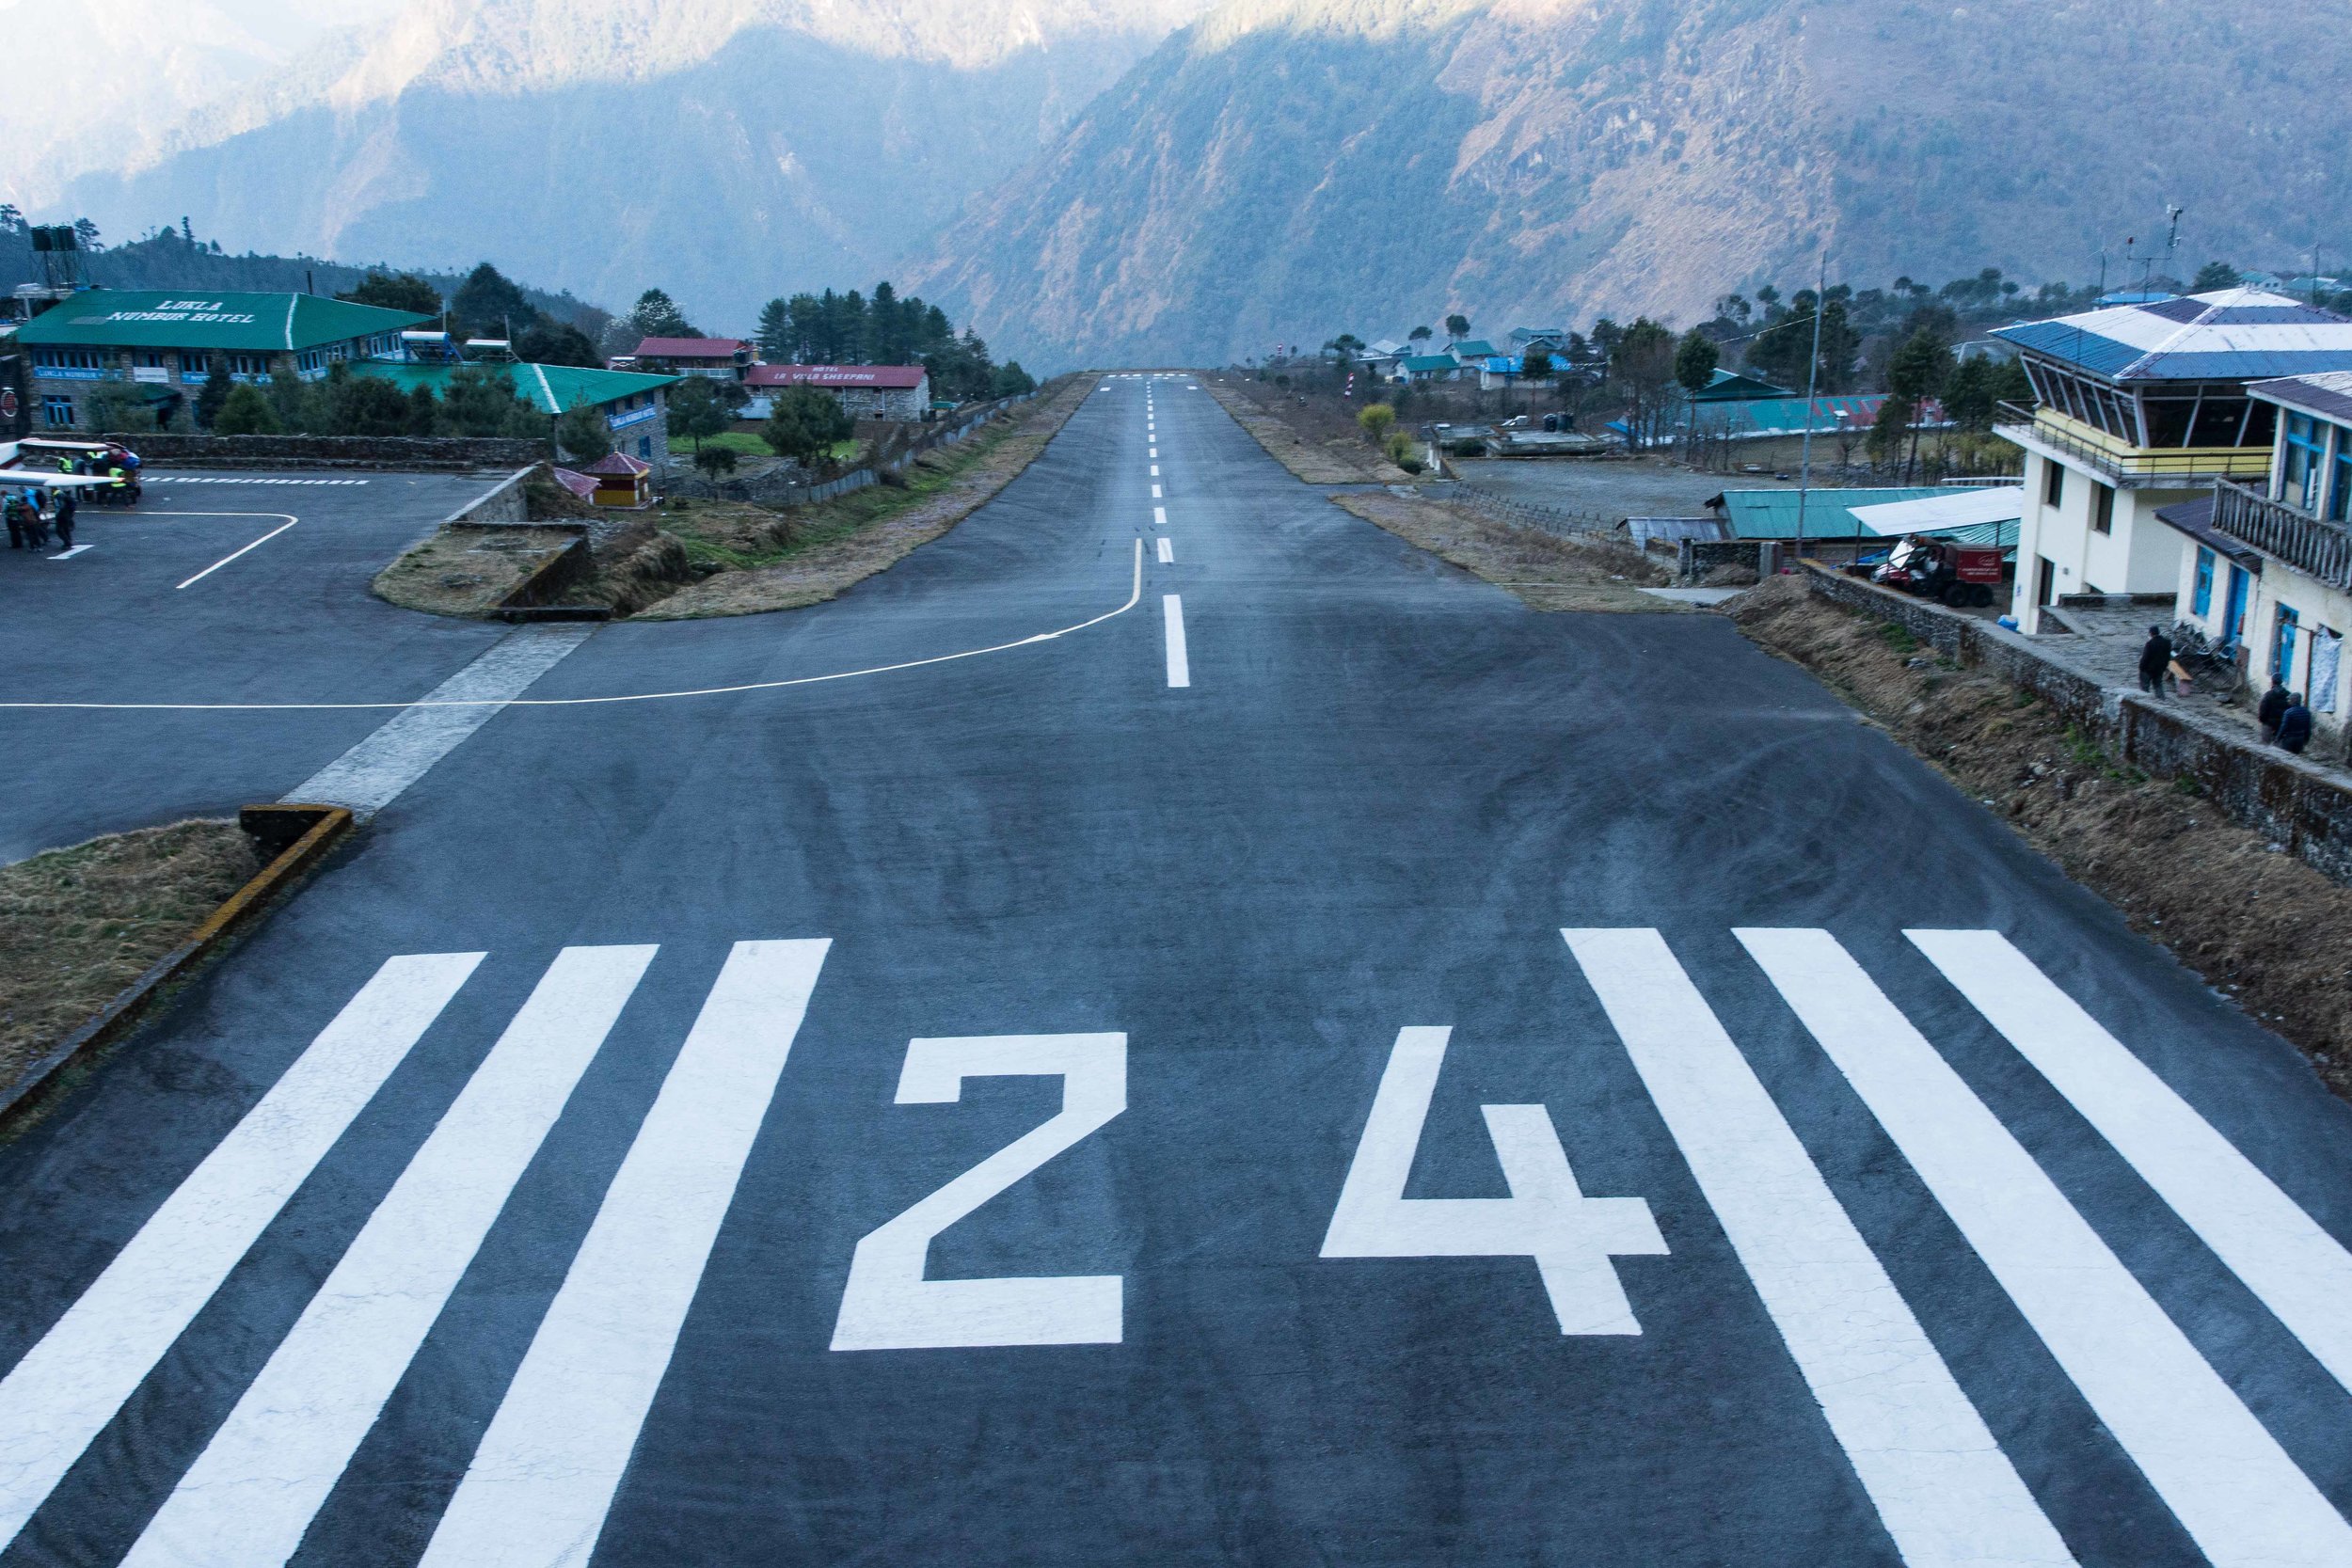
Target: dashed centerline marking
x,y
1167,553
1155,470
1179,666
1159,516
1155,492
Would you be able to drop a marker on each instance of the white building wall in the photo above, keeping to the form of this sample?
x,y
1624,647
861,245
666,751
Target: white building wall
x,y
2137,554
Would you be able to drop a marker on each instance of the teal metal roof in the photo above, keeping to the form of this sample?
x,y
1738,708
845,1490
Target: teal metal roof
x,y
1785,416
1730,385
551,388
1419,363
203,319
1773,513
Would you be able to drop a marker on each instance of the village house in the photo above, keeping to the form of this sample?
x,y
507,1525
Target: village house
x,y
2140,408
867,392
164,344
1418,368
719,358
2266,564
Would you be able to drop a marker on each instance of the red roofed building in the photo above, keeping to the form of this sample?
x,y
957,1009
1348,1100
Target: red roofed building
x,y
721,358
620,479
869,391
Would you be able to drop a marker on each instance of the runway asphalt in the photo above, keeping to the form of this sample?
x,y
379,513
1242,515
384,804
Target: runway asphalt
x,y
1441,1083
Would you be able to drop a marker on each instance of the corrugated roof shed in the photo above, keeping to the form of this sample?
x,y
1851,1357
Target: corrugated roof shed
x,y
1773,513
197,319
551,388
1428,363
2228,335
1748,418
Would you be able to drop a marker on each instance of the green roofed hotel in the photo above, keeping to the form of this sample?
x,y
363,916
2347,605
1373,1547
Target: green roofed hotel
x,y
167,343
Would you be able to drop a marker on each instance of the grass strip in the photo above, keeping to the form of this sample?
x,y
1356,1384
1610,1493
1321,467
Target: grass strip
x,y
78,925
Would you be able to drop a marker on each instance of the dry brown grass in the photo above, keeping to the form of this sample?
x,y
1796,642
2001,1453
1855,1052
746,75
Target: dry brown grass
x,y
768,560
1547,571
2261,925
1316,455
468,571
79,924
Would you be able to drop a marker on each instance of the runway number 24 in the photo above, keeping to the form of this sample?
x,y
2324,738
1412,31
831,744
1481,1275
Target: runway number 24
x,y
888,1305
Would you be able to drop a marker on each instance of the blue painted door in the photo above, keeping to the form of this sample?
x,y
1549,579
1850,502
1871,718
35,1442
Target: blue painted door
x,y
2234,620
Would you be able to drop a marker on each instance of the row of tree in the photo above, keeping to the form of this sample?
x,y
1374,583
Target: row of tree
x,y
487,304
831,328
476,400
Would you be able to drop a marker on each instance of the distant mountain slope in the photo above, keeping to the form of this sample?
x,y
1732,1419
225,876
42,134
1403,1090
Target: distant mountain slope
x,y
1284,169
726,150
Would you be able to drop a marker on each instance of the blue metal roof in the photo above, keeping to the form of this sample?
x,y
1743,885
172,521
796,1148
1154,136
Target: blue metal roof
x,y
2228,335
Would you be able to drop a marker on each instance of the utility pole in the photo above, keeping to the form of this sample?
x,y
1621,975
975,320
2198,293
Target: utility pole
x,y
1812,379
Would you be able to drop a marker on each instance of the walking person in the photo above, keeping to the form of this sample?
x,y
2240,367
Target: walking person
x,y
2272,709
2294,725
2155,655
65,519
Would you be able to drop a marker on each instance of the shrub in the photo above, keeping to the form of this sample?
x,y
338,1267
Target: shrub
x,y
247,412
1376,420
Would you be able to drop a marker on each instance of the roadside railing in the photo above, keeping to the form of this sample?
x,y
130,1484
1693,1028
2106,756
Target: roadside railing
x,y
2134,468
1550,519
2318,549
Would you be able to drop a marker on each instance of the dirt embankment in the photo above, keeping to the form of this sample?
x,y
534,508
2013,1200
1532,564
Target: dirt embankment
x,y
2255,921
468,571
743,559
1320,451
1547,571
77,925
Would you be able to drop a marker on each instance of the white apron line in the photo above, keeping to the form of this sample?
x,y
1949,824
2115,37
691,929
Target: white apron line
x,y
70,1384
2299,1271
1172,615
1944,1489
1135,597
253,1491
542,1482
373,773
67,555
2224,1476
1168,552
234,554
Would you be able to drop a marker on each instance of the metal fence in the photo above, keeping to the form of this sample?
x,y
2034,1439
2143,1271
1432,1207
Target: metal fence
x,y
1550,519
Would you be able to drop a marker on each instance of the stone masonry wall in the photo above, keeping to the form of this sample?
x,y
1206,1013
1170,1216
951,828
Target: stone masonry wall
x,y
2298,804
403,452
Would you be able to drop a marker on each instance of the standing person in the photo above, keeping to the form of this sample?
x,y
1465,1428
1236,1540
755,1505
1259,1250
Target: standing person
x,y
65,519
2272,709
35,522
14,509
2294,725
2154,656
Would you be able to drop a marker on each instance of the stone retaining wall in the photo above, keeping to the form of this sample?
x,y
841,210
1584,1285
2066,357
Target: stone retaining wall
x,y
2300,804
405,452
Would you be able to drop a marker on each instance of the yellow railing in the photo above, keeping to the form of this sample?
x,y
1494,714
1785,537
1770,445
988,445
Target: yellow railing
x,y
2107,455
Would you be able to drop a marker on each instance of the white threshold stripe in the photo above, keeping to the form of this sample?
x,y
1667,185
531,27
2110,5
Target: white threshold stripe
x,y
234,554
1172,617
1135,597
2295,1268
544,1477
253,1491
2224,1476
1167,551
71,1382
1944,1491
373,773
